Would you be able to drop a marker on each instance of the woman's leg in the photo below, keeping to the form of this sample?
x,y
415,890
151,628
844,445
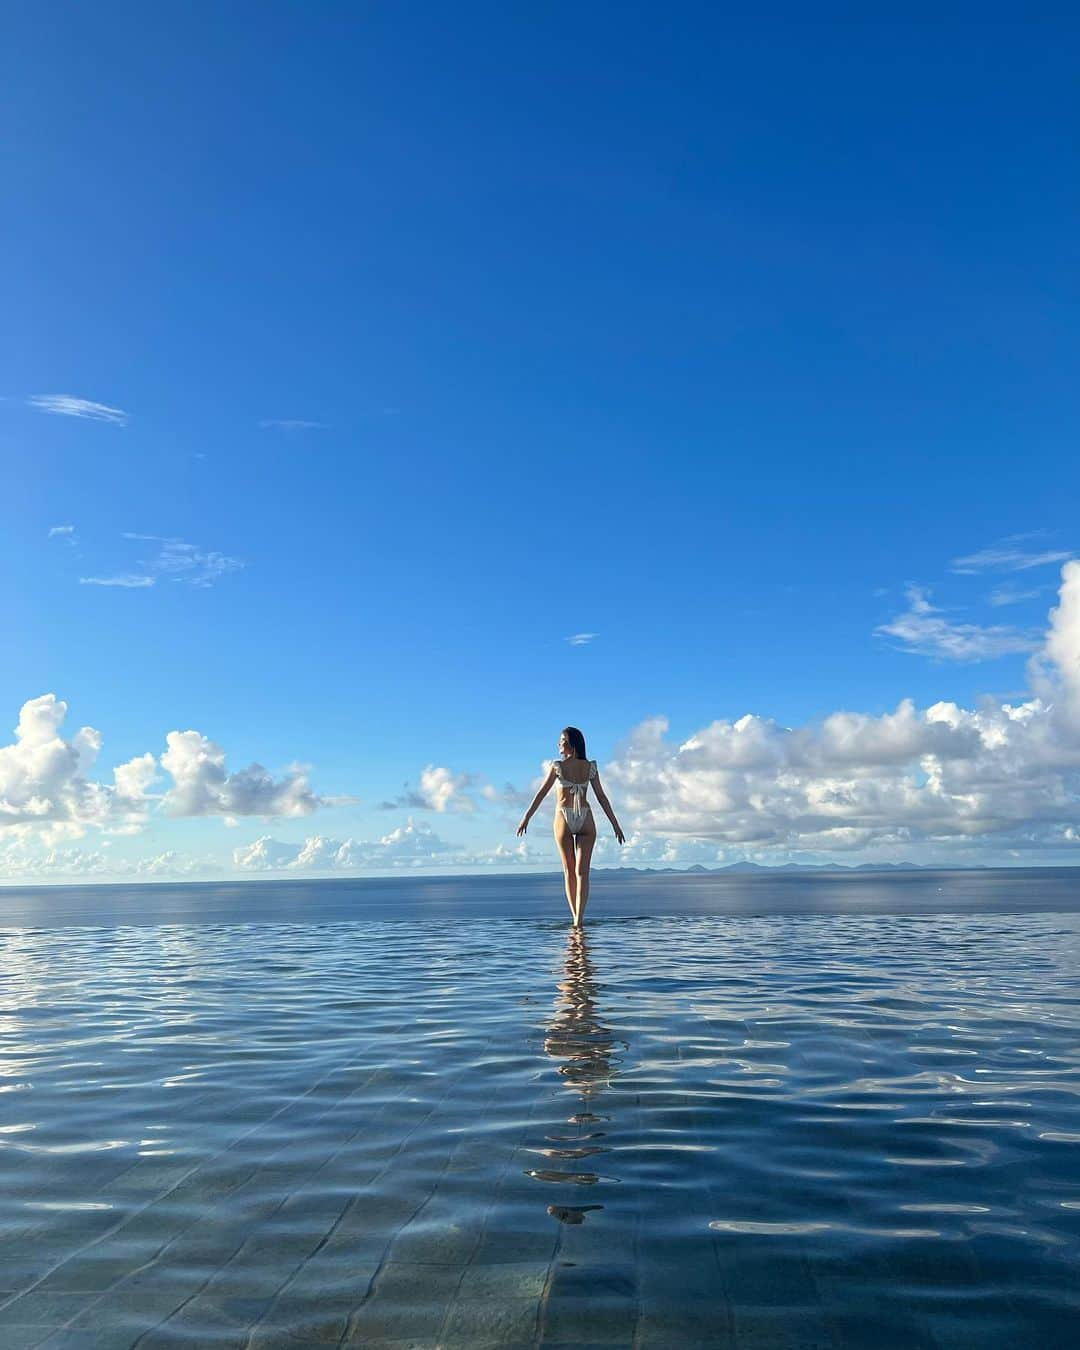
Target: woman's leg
x,y
586,841
565,841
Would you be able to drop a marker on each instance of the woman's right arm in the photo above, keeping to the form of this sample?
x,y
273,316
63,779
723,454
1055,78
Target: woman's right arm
x,y
523,825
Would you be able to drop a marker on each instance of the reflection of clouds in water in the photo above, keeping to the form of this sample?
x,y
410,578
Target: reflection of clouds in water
x,y
578,1037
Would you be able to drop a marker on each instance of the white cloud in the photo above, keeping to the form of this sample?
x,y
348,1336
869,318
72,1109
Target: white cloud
x,y
1012,595
913,777
1007,556
580,639
641,850
44,786
177,560
413,845
17,861
66,405
291,424
22,858
65,532
439,790
410,844
1055,672
202,787
922,629
128,579
170,863
264,855
47,793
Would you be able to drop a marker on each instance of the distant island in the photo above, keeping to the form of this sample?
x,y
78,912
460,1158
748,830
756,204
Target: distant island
x,y
750,868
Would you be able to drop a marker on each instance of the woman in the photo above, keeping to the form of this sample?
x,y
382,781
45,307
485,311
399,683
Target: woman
x,y
575,829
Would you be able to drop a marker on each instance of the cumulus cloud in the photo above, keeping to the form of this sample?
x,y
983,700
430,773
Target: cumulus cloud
x,y
439,790
922,629
23,857
264,855
413,844
66,405
1004,771
1009,556
44,783
1055,672
170,863
203,787
48,793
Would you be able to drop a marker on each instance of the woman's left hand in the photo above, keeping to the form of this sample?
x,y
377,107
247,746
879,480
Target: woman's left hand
x,y
523,827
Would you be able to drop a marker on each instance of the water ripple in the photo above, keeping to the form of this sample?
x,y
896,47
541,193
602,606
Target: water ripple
x,y
375,1130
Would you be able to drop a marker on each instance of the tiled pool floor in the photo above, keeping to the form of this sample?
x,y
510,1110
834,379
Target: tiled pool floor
x,y
763,1133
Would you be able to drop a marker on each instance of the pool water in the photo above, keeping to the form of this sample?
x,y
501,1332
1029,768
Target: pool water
x,y
774,1131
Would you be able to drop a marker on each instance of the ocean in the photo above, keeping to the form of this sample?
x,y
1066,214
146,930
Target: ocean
x,y
779,1111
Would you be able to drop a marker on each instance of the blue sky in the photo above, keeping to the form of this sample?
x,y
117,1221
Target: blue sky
x,y
434,336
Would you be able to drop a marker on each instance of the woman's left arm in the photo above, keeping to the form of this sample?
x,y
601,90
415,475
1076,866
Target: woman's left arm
x,y
602,798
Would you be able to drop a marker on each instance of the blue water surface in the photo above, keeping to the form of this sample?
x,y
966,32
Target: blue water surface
x,y
760,1112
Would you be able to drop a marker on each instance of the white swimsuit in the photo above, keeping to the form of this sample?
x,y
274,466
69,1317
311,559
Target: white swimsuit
x,y
578,815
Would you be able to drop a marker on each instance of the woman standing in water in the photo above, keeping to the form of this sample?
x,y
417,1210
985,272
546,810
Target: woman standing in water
x,y
575,829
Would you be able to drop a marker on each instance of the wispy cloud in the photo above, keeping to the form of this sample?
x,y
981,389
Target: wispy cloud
x,y
64,532
580,639
1009,556
66,405
1012,595
128,579
922,629
291,424
177,560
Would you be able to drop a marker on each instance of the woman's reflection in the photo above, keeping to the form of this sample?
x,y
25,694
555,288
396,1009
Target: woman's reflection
x,y
577,1036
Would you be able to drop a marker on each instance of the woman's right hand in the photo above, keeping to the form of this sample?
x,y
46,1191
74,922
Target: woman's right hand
x,y
523,826
619,835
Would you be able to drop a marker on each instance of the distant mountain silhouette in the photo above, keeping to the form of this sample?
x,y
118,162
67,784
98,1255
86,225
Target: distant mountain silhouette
x,y
757,869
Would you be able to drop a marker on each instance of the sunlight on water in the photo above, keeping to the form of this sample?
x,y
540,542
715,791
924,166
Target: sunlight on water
x,y
751,1131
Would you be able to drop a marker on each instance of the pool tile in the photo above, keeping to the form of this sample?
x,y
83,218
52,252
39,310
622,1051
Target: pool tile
x,y
114,1338
16,1275
87,1273
671,1323
449,1246
482,1322
14,1336
584,1318
510,1280
500,1248
45,1307
782,1328
323,1321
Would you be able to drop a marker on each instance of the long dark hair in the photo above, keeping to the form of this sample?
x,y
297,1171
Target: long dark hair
x,y
576,739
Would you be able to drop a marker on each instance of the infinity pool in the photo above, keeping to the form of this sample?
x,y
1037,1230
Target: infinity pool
x,y
756,1131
